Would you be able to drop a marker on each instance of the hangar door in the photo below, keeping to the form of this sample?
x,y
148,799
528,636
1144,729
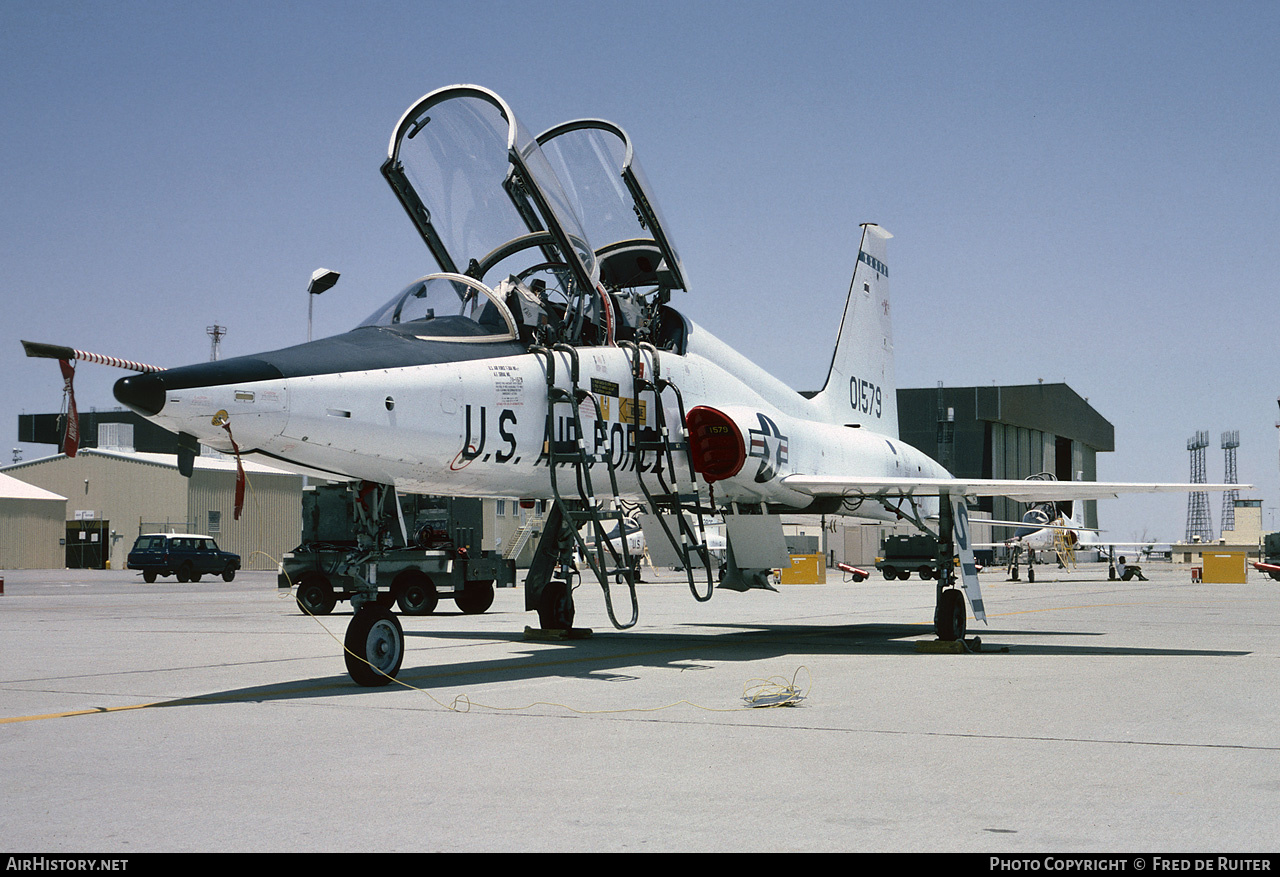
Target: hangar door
x,y
87,544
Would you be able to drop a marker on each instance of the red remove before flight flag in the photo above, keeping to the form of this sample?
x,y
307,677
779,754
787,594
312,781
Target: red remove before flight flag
x,y
71,431
221,419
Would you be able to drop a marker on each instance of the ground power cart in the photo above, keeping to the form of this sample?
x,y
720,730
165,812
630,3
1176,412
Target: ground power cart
x,y
352,539
903,555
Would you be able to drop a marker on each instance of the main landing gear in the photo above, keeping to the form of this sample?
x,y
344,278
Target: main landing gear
x,y
1031,566
951,617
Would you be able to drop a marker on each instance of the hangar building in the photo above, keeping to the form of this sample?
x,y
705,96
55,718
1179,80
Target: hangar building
x,y
995,432
1008,432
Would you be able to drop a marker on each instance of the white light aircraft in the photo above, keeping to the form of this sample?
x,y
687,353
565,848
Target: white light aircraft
x,y
544,360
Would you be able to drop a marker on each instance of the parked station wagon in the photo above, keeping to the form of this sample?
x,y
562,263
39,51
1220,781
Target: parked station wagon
x,y
186,555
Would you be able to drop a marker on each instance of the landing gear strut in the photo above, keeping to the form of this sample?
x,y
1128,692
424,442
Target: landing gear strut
x,y
547,587
951,616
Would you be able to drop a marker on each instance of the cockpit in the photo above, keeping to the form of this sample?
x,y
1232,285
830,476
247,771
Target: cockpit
x,y
446,306
547,239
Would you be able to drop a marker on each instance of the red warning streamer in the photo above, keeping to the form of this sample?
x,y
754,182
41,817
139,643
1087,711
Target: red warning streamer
x,y
240,479
71,432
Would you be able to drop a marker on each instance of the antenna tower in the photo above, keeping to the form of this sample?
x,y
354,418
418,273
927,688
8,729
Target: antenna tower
x,y
1199,523
1230,441
215,332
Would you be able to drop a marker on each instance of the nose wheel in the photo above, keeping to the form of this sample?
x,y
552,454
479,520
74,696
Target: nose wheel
x,y
374,646
555,607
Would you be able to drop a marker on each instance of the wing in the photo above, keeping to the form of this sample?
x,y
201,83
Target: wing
x,y
854,486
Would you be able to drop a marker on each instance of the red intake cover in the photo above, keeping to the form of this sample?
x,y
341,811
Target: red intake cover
x,y
716,444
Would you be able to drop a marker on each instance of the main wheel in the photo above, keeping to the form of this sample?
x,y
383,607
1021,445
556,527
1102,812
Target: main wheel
x,y
555,606
315,594
415,592
475,597
952,617
374,646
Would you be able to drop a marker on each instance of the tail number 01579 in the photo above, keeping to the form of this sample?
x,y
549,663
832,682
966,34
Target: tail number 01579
x,y
864,396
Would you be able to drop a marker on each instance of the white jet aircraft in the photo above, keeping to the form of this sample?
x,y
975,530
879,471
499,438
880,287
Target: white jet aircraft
x,y
1051,527
544,360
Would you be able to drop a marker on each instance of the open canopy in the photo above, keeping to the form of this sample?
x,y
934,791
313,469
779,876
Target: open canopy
x,y
490,201
606,187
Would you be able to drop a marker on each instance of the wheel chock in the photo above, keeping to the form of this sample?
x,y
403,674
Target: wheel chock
x,y
940,647
956,647
538,633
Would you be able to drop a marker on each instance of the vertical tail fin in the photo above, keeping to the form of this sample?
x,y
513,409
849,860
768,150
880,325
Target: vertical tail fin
x,y
860,387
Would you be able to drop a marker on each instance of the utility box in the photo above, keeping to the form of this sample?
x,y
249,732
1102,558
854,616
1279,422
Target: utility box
x,y
805,569
1224,567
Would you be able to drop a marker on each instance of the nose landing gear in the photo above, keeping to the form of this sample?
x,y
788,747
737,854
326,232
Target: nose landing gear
x,y
374,646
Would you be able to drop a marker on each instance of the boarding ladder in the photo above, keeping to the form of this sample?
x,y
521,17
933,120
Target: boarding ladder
x,y
667,502
524,533
582,508
1064,549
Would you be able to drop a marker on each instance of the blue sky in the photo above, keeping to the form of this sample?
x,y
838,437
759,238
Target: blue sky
x,y
1080,192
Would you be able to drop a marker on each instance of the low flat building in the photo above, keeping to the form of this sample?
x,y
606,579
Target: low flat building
x,y
32,525
112,496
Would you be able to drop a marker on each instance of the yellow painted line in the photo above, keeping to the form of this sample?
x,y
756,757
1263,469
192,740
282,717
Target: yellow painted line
x,y
102,710
89,712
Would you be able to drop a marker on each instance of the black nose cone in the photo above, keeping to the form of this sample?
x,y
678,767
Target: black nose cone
x,y
143,393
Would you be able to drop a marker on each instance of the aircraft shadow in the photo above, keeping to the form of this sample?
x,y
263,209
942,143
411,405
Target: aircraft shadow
x,y
610,655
